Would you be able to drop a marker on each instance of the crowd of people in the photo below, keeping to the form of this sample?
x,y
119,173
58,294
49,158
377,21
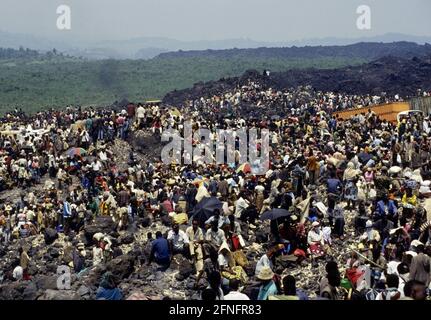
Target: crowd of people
x,y
350,194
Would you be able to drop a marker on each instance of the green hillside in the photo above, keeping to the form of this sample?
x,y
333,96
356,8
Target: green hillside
x,y
40,82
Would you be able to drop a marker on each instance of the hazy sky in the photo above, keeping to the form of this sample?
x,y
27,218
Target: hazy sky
x,y
265,20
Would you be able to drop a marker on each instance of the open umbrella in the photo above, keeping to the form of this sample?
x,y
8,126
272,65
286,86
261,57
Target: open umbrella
x,y
245,168
205,209
275,214
76,152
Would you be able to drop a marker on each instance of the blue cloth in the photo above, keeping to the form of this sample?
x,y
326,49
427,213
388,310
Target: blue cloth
x,y
351,191
334,185
160,247
269,289
85,183
332,124
213,186
392,209
301,294
370,163
67,211
109,294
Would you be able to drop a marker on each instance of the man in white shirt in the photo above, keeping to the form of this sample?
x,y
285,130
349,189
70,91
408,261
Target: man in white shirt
x,y
96,165
234,294
240,205
265,261
140,113
178,240
196,238
214,235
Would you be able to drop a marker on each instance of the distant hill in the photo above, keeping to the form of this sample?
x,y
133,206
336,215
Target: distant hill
x,y
392,75
149,47
363,50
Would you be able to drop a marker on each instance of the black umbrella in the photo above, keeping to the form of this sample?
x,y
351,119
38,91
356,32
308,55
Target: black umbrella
x,y
206,209
275,214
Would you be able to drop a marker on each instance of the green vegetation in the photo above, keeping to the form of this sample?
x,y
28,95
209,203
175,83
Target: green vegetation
x,y
44,81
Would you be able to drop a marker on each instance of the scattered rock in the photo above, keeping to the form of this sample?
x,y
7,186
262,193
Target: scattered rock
x,y
126,238
59,295
46,282
84,292
50,235
103,224
122,266
30,291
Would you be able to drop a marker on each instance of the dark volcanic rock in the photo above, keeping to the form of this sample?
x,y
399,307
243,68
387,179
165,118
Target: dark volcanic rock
x,y
122,266
54,252
13,291
46,282
126,238
117,252
30,292
103,224
50,235
59,295
84,292
184,267
51,267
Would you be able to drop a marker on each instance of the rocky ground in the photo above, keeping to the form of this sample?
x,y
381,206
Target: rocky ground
x,y
129,265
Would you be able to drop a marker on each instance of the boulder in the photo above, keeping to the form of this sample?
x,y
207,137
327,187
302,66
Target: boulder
x,y
126,238
117,252
59,295
50,235
51,267
54,252
30,291
13,291
103,224
122,266
46,282
19,290
146,222
184,266
33,269
84,292
114,234
68,254
261,236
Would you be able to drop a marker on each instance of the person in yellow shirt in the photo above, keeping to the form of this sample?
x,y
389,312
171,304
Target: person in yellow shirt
x,y
104,207
409,198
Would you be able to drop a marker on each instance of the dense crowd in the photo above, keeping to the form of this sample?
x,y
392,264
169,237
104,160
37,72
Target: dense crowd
x,y
364,181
